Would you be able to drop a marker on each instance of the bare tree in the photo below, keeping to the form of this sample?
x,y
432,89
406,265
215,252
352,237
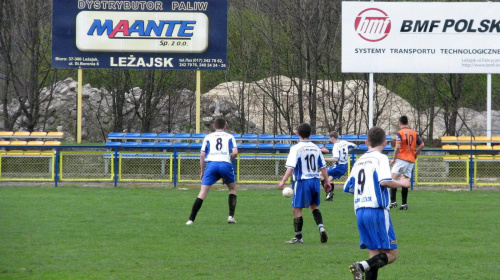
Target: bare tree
x,y
25,43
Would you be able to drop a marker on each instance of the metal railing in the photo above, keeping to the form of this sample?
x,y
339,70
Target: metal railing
x,y
252,166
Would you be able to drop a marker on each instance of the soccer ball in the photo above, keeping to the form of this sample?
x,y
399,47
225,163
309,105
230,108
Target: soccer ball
x,y
287,192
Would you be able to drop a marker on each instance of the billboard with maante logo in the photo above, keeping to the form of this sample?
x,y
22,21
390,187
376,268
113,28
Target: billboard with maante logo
x,y
418,37
141,34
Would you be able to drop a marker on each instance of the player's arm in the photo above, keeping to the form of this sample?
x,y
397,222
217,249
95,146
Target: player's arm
x,y
335,151
326,185
332,159
420,147
396,152
202,164
401,183
324,150
288,173
234,153
351,146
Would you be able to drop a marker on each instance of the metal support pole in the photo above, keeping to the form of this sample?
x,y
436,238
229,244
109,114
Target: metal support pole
x,y
115,166
198,100
175,155
370,102
56,167
488,105
79,108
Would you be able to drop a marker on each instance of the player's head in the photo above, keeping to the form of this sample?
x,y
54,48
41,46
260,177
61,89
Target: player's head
x,y
334,134
376,137
220,123
304,130
403,120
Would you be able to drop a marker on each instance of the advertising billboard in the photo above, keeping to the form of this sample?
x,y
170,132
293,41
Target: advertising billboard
x,y
138,34
419,37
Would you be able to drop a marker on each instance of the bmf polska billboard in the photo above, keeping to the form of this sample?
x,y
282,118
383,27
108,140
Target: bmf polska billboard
x,y
418,37
163,34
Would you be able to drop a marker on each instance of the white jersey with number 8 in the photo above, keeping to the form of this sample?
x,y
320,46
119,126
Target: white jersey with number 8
x,y
218,146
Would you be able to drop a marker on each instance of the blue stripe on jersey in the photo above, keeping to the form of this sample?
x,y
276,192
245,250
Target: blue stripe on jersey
x,y
385,195
349,185
377,188
230,145
380,192
320,163
207,148
298,170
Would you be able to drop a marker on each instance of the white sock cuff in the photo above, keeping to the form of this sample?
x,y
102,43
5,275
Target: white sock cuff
x,y
365,265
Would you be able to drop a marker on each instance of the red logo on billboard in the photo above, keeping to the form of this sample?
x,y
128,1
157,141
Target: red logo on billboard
x,y
372,24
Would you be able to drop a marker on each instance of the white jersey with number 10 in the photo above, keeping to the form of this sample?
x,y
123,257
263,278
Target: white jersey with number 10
x,y
306,160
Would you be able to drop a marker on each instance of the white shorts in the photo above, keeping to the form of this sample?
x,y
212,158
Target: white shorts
x,y
402,167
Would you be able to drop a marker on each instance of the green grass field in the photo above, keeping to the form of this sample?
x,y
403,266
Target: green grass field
x,y
139,233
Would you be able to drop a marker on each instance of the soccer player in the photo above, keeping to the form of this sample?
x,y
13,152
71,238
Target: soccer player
x,y
217,153
340,157
404,158
369,181
303,162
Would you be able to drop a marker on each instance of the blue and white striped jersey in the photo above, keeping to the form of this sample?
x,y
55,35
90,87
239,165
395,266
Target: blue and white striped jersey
x,y
218,146
306,160
341,151
364,181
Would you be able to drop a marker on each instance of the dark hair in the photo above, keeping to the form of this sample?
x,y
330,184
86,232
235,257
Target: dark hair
x,y
334,134
403,120
219,123
304,130
376,136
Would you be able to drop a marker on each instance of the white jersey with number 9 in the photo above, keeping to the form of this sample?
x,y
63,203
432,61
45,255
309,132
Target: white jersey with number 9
x,y
364,181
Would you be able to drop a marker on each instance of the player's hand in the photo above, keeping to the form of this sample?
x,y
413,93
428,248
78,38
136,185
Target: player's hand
x,y
281,185
392,161
327,187
405,182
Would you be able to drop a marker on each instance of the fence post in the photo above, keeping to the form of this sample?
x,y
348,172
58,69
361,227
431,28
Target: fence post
x,y
175,167
56,167
353,158
471,170
115,166
412,179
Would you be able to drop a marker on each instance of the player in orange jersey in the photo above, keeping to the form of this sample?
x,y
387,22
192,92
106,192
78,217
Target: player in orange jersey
x,y
404,158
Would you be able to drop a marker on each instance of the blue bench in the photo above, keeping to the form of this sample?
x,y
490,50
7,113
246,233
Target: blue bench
x,y
283,137
165,136
181,145
265,145
247,145
130,144
198,136
282,146
249,137
196,145
349,137
147,144
149,136
317,138
182,136
266,137
164,145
